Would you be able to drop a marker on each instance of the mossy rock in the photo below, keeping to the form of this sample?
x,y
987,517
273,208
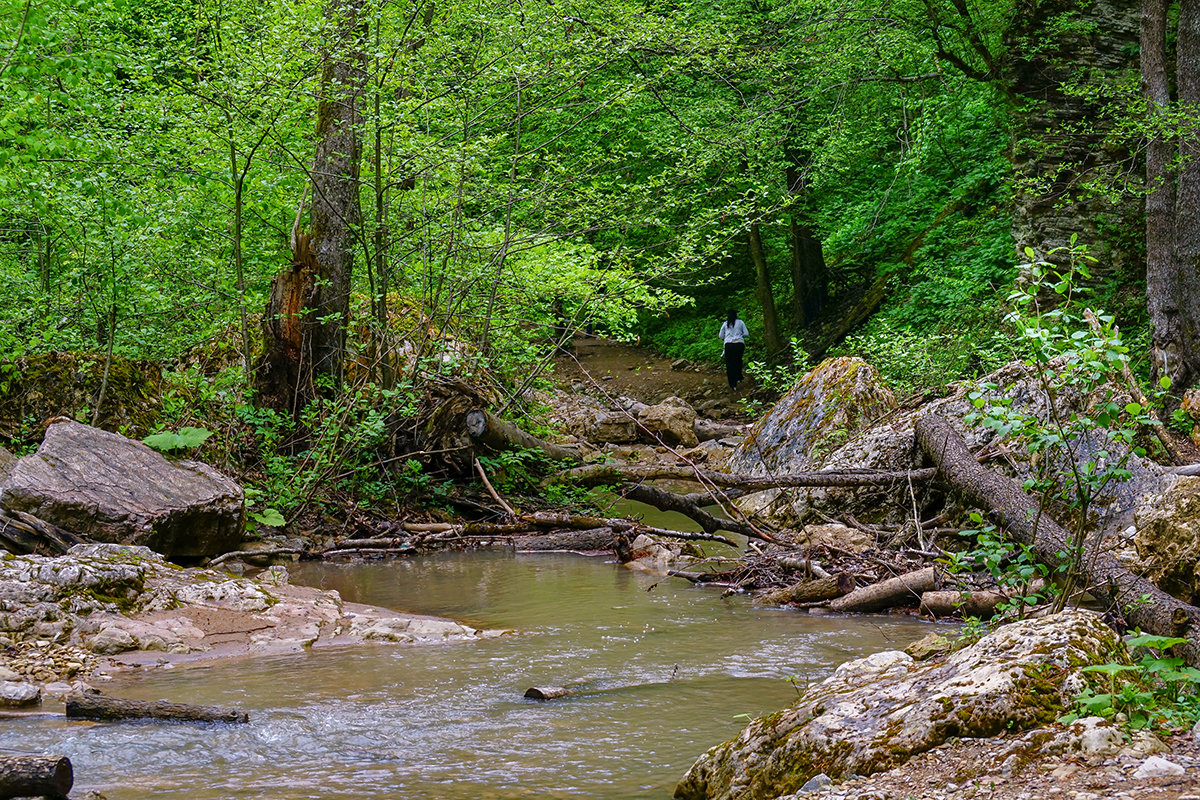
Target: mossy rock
x,y
36,388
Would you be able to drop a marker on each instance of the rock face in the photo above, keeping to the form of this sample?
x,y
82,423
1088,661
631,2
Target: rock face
x,y
1167,541
128,603
876,712
113,489
825,407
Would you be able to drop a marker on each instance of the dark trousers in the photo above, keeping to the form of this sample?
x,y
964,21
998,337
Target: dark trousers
x,y
733,362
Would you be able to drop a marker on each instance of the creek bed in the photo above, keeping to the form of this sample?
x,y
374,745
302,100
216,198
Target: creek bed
x,y
670,670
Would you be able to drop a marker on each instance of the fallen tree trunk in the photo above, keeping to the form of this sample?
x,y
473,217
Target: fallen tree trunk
x,y
497,435
1143,604
898,591
23,533
35,776
598,474
548,692
669,501
100,707
811,591
961,604
586,540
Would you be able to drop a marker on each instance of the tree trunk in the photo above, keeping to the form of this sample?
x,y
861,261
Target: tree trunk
x,y
1172,212
496,434
961,604
586,541
306,317
808,274
810,591
35,776
95,706
762,288
1142,603
901,590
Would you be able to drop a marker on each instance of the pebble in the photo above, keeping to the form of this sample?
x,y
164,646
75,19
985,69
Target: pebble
x,y
1158,767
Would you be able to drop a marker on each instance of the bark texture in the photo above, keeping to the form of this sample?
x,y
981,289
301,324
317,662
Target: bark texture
x,y
496,434
1142,603
901,590
95,706
307,314
35,776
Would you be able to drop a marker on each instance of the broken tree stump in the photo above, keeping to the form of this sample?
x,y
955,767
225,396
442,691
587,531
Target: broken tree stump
x,y
810,591
35,776
901,590
100,707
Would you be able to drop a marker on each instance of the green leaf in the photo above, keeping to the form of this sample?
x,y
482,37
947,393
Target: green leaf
x,y
269,517
1164,382
187,438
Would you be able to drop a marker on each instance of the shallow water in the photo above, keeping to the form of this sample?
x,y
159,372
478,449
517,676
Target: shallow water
x,y
667,670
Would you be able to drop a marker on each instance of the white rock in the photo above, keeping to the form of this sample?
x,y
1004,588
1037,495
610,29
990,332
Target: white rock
x,y
7,674
1158,767
112,640
17,694
816,782
1097,736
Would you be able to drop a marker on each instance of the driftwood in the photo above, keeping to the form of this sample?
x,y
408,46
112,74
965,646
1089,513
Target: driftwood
x,y
901,590
810,591
962,604
548,692
23,533
100,707
496,434
35,776
587,540
599,474
669,501
1142,604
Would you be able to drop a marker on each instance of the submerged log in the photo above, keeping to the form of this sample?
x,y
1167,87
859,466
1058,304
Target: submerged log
x,y
1141,603
962,604
35,776
588,540
496,434
810,591
548,692
100,707
902,590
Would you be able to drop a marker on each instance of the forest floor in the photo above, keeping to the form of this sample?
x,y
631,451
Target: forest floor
x,y
620,369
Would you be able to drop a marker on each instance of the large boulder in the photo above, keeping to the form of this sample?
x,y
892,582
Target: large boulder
x,y
672,421
1167,542
874,713
836,400
113,489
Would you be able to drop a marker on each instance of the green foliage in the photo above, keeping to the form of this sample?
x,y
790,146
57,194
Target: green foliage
x,y
186,438
1156,691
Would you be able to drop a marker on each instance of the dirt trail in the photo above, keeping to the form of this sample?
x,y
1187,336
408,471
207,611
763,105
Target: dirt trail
x,y
626,370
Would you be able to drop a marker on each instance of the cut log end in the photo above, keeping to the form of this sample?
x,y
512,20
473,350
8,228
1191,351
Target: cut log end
x,y
35,776
547,692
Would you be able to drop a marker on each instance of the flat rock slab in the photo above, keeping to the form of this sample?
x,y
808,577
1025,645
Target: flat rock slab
x,y
113,489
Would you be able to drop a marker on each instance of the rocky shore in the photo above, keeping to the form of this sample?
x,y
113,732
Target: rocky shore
x,y
106,607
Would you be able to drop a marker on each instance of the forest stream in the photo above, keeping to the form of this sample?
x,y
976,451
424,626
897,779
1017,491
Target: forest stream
x,y
665,670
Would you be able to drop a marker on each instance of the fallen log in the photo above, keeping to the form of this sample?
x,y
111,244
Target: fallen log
x,y
709,523
810,591
24,533
586,540
1142,604
600,474
35,776
961,604
548,692
497,435
901,590
102,707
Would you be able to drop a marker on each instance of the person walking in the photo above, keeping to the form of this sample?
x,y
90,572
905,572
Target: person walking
x,y
733,333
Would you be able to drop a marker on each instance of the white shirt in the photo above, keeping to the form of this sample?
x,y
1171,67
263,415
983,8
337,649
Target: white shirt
x,y
733,333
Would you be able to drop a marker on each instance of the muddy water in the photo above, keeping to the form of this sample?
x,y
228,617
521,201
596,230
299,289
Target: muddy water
x,y
667,670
